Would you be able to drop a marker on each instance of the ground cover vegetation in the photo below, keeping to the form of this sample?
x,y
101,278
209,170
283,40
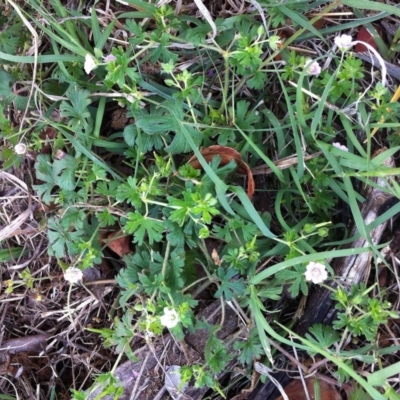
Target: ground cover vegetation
x,y
159,157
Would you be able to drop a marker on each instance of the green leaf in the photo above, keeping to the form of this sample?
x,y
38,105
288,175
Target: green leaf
x,y
342,374
297,18
129,276
128,192
129,288
305,259
247,57
250,348
44,172
104,37
175,234
229,287
155,122
61,173
323,335
245,231
151,286
7,95
107,188
130,135
205,207
119,69
77,112
198,34
161,52
73,217
11,253
180,145
258,80
142,226
106,218
295,276
271,292
174,273
161,122
76,395
83,148
136,29
182,208
61,241
359,394
224,232
10,37
143,5
244,118
219,359
123,335
216,353
64,170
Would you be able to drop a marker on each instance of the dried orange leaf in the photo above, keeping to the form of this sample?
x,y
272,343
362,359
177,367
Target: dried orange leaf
x,y
296,391
215,257
365,36
226,154
119,245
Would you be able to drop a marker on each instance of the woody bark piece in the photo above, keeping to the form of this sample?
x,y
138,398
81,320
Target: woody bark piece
x,y
128,372
33,343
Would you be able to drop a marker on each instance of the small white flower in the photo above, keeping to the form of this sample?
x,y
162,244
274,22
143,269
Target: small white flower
x,y
170,318
344,42
73,275
316,272
90,64
312,67
20,149
109,58
340,146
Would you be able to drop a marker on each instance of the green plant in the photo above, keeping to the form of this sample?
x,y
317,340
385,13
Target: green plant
x,y
360,314
183,91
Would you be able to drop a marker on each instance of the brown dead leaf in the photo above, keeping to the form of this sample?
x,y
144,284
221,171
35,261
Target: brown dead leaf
x,y
383,277
295,390
227,154
32,343
365,36
215,257
119,245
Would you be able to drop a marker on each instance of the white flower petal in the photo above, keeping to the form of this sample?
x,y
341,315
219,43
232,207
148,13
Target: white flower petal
x,y
170,318
344,42
73,275
312,67
316,272
109,58
20,149
90,64
340,146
